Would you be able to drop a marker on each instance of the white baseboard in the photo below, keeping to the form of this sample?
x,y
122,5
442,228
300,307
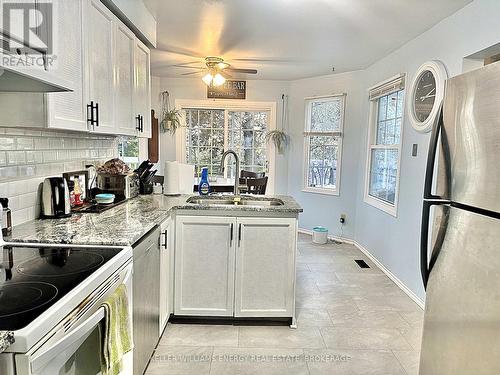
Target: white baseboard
x,y
330,237
370,256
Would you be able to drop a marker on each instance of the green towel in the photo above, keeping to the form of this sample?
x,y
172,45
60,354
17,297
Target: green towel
x,y
116,335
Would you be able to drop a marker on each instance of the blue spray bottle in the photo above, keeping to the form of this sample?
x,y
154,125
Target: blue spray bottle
x,y
204,186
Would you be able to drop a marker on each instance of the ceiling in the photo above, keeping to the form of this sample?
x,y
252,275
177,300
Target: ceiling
x,y
288,39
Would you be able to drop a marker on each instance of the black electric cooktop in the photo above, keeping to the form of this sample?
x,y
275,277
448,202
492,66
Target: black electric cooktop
x,y
34,278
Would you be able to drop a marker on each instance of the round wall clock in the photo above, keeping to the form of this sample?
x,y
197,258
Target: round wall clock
x,y
427,91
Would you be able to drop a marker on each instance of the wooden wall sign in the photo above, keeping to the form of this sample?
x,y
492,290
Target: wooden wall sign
x,y
229,90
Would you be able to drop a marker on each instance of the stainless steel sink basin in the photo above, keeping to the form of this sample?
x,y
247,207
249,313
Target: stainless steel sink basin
x,y
236,201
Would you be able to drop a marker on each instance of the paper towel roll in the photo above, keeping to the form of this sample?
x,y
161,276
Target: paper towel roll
x,y
179,178
171,178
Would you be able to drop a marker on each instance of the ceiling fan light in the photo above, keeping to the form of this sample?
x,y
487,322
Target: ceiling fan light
x,y
207,78
218,80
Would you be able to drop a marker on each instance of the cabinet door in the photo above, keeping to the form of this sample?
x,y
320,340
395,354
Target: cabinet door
x,y
204,266
145,300
166,272
124,79
100,64
265,267
68,110
142,96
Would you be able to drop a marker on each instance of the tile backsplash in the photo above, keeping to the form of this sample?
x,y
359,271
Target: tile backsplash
x,y
28,156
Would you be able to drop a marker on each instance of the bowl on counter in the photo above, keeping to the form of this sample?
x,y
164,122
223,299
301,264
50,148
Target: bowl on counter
x,y
105,198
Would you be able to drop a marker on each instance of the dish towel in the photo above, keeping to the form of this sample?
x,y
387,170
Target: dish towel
x,y
116,334
6,339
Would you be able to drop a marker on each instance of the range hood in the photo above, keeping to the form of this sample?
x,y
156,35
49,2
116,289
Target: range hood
x,y
16,77
17,80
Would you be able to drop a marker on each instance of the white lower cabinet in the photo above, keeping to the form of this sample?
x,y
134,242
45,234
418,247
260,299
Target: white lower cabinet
x,y
204,265
166,272
265,267
241,267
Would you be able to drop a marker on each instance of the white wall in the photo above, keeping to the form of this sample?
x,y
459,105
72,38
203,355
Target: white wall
x,y
320,209
395,241
195,89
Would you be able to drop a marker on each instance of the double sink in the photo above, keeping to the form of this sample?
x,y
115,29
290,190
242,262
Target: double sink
x,y
234,200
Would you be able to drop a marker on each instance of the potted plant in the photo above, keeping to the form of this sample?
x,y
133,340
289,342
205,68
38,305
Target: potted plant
x,y
170,121
279,137
170,118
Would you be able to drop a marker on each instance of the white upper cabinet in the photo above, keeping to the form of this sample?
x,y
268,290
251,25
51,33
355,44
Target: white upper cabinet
x,y
68,110
100,67
106,66
142,91
124,44
30,73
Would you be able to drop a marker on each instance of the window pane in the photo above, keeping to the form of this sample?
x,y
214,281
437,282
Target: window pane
x,y
383,172
204,138
323,157
247,136
128,151
390,112
326,115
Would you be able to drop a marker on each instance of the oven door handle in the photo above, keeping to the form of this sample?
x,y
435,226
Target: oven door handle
x,y
77,335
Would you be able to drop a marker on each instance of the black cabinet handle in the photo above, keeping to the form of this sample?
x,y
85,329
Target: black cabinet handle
x,y
165,234
90,113
239,235
142,124
231,234
138,120
97,114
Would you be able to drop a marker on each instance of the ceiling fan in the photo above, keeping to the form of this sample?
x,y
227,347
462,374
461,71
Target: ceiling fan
x,y
216,71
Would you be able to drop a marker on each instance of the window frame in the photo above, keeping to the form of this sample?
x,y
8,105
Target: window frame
x,y
306,141
387,207
228,105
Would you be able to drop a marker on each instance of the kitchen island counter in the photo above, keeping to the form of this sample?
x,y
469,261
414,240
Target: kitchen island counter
x,y
127,223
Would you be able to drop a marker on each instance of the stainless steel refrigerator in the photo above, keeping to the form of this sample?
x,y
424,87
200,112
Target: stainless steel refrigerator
x,y
460,239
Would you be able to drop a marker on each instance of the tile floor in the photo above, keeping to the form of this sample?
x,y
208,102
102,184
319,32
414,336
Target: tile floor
x,y
350,321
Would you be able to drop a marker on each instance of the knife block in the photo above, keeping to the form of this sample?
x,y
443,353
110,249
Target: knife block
x,y
145,188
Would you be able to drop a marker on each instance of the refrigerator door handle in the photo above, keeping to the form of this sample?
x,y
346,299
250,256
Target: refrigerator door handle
x,y
426,265
431,156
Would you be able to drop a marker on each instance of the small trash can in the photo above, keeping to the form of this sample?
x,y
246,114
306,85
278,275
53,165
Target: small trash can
x,y
320,235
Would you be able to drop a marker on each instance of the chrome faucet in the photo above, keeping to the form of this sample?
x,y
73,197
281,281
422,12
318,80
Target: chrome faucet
x,y
237,174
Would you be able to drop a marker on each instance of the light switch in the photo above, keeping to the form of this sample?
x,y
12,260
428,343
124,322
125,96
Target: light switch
x,y
414,150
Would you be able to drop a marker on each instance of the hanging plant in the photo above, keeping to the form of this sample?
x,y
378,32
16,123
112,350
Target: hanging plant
x,y
170,118
279,137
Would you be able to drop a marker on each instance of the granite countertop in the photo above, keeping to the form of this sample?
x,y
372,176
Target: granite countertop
x,y
127,223
6,340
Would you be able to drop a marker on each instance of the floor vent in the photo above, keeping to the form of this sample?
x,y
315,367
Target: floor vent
x,y
362,263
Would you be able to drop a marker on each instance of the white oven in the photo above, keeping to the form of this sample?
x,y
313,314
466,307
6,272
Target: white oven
x,y
73,346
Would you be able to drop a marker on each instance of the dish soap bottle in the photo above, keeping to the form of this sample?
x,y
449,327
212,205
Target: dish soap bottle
x,y
204,186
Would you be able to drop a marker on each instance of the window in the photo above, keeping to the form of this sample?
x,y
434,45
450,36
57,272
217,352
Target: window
x,y
205,138
323,144
128,151
384,145
210,131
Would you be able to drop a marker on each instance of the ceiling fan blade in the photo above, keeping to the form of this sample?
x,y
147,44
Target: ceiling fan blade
x,y
181,51
245,71
186,67
191,73
256,59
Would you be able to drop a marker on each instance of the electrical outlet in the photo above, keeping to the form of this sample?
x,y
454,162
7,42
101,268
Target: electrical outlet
x,y
342,218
